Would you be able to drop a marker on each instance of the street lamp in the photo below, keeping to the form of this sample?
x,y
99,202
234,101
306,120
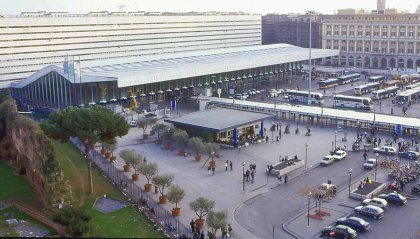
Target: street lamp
x,y
310,59
309,201
335,139
350,170
243,176
306,155
376,166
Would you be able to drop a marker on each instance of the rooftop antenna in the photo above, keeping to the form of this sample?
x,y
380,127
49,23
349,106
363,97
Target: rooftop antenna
x,y
120,8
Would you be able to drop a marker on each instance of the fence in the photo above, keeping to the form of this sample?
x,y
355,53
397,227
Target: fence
x,y
136,195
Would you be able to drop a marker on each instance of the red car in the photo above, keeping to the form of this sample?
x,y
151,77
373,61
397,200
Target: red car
x,y
393,186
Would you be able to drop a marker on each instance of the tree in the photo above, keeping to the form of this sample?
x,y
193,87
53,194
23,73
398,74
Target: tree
x,y
317,193
90,125
111,147
76,220
181,137
217,220
212,149
167,132
162,181
131,157
176,194
196,144
159,129
148,170
202,206
145,122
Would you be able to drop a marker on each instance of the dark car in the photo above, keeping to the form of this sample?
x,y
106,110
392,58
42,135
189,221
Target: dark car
x,y
354,223
339,231
370,211
409,154
394,198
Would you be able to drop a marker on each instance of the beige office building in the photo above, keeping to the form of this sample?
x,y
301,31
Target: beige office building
x,y
389,40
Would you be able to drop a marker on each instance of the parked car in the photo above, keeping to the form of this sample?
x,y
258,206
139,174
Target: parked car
x,y
370,211
286,96
339,231
339,155
409,154
133,123
327,160
370,164
394,198
354,223
385,150
379,202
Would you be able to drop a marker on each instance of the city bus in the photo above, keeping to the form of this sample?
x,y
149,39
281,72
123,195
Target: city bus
x,y
404,97
379,79
302,96
412,86
344,101
391,83
366,88
348,79
329,83
384,93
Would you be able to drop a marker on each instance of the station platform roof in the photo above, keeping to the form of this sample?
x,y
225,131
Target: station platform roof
x,y
218,120
130,71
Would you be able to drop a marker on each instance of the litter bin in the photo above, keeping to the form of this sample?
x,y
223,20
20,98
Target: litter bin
x,y
329,182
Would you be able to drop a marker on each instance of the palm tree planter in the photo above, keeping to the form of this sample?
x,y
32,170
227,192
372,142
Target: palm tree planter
x,y
167,134
217,220
144,123
131,158
201,207
212,149
175,195
159,128
162,181
198,146
111,148
181,138
148,170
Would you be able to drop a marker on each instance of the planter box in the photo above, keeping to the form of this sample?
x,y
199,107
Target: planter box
x,y
369,191
282,168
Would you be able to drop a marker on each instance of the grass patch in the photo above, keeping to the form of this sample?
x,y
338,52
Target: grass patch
x,y
18,215
126,222
14,187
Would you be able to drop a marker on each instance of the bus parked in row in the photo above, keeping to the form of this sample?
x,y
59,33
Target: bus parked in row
x,y
379,79
384,93
366,88
407,96
302,96
348,79
344,101
412,86
328,83
391,83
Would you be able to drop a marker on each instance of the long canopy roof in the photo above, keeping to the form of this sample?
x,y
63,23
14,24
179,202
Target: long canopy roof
x,y
136,71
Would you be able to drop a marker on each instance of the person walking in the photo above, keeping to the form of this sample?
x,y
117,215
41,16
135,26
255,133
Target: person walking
x,y
212,171
286,178
279,178
252,175
226,165
266,138
231,165
192,224
365,156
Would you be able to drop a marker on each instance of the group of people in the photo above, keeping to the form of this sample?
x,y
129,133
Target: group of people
x,y
250,173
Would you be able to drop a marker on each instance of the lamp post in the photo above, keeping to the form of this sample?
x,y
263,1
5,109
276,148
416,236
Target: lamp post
x,y
376,165
243,176
310,59
350,170
335,139
309,201
306,156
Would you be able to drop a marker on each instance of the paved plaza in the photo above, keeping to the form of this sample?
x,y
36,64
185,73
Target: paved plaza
x,y
266,203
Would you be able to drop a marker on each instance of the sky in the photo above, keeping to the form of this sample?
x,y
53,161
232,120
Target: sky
x,y
15,7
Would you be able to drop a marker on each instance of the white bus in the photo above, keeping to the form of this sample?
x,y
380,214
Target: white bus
x,y
379,79
384,93
344,101
407,96
348,79
366,88
412,86
302,96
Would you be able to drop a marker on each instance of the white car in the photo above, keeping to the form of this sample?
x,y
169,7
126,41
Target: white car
x,y
133,123
286,97
385,150
370,164
339,155
327,160
273,95
379,202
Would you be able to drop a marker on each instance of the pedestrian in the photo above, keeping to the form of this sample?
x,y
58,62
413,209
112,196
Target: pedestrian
x,y
192,224
231,165
212,171
224,233
226,165
209,169
379,141
202,236
229,230
277,127
285,179
247,175
402,184
266,138
252,176
365,134
279,178
365,156
144,160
